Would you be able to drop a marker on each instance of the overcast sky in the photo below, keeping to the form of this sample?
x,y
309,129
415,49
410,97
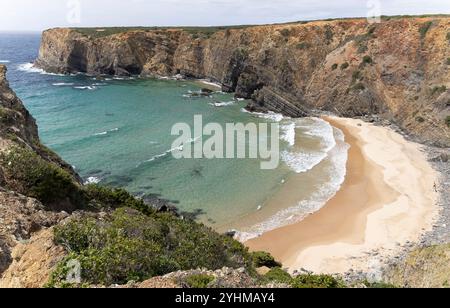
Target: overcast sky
x,y
37,15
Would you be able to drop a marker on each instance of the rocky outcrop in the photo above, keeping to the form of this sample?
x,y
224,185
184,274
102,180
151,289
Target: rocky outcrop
x,y
398,69
21,216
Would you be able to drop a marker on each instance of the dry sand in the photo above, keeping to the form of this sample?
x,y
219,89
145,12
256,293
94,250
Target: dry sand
x,y
387,200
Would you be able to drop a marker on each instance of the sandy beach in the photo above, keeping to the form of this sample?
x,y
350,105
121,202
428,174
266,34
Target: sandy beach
x,y
387,200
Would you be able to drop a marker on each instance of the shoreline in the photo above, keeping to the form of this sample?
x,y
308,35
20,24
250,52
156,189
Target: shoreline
x,y
371,217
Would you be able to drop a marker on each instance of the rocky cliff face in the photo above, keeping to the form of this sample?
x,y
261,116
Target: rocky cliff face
x,y
398,68
21,216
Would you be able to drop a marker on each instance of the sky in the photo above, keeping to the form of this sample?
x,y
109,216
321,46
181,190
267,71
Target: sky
x,y
37,15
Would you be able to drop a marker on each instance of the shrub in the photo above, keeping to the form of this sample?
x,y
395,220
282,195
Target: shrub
x,y
261,259
303,45
438,90
285,32
329,35
101,197
367,60
334,66
359,87
29,174
379,285
362,48
316,282
344,65
128,245
356,76
448,61
277,274
424,28
200,281
420,119
447,121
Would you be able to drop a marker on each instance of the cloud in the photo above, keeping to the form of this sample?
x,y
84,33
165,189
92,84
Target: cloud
x,y
41,14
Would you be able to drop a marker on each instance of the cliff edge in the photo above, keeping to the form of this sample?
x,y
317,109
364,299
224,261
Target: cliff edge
x,y
398,69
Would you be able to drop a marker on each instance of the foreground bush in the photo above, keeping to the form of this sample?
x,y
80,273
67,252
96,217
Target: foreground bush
x,y
27,173
307,281
130,246
262,258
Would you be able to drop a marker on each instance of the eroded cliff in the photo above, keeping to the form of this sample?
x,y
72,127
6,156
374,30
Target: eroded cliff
x,y
398,68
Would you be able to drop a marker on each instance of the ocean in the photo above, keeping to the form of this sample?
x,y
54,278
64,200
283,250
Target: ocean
x,y
116,132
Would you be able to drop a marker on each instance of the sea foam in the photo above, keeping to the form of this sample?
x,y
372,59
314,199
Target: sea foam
x,y
336,172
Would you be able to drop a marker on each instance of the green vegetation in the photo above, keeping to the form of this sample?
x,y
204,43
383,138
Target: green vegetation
x,y
379,285
277,274
367,60
424,28
307,281
334,66
200,281
359,87
362,49
420,119
303,45
285,32
197,31
437,90
357,75
317,282
447,121
27,173
129,245
261,259
329,35
103,197
448,61
344,65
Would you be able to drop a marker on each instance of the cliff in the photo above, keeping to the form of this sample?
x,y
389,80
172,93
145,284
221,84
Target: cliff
x,y
398,69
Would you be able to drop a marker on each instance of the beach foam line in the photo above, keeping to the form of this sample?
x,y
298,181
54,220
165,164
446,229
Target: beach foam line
x,y
211,83
338,157
302,160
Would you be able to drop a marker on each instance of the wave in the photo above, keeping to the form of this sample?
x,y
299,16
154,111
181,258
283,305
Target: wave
x,y
4,61
30,68
222,104
336,171
168,152
272,116
92,180
289,133
107,132
91,88
303,160
63,84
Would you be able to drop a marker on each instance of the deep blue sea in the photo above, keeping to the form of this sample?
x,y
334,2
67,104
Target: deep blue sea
x,y
117,132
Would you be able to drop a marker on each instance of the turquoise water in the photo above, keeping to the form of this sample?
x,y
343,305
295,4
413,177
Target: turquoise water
x,y
118,133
